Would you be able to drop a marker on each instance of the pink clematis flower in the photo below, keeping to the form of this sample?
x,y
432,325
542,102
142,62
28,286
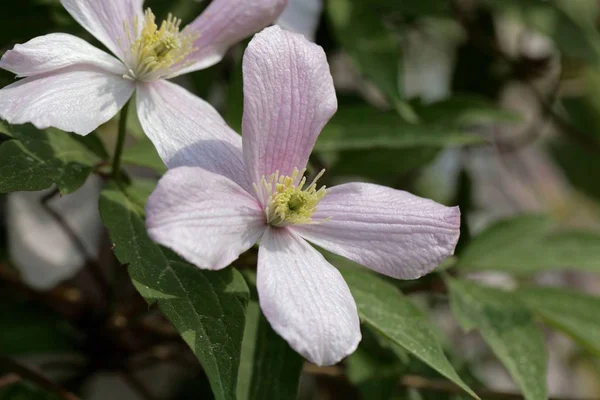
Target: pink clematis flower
x,y
73,86
211,212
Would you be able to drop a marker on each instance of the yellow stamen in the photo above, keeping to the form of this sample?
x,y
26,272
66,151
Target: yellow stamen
x,y
155,51
288,202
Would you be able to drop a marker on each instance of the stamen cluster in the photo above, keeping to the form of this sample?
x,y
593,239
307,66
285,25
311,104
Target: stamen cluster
x,y
287,201
155,51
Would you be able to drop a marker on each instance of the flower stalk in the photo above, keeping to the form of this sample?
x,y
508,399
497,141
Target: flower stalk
x,y
116,164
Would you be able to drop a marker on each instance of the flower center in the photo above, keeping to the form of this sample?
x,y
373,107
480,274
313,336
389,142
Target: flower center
x,y
288,202
155,51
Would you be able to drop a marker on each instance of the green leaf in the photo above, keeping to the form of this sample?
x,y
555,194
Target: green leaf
x,y
383,308
144,154
138,192
375,51
529,244
574,313
35,160
269,368
277,367
576,162
376,365
248,346
27,329
463,111
26,391
365,128
206,307
508,327
412,8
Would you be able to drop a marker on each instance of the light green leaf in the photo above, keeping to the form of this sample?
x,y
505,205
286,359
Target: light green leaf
x,y
508,327
35,160
574,313
529,244
143,154
383,308
206,307
365,128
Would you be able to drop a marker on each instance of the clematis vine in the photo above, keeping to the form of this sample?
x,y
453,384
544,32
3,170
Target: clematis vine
x,y
71,85
255,191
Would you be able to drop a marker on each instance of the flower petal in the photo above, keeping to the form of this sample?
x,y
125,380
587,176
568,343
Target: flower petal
x,y
389,231
39,247
302,16
105,19
226,22
204,217
55,51
187,131
75,99
305,299
288,98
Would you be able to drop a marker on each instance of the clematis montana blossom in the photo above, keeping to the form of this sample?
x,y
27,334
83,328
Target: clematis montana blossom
x,y
71,85
254,191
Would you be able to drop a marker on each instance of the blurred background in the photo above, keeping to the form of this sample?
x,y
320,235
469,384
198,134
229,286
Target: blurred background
x,y
493,105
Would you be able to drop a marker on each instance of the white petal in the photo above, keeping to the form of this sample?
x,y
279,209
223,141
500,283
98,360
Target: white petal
x,y
105,19
226,22
187,131
302,16
305,299
389,231
44,254
55,51
74,99
288,98
204,217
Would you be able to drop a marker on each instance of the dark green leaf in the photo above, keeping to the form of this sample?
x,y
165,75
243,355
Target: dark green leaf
x,y
373,48
206,307
26,391
35,160
27,329
574,313
577,162
463,111
383,308
277,367
529,244
508,327
376,365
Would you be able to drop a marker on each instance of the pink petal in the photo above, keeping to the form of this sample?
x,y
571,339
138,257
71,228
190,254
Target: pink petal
x,y
288,98
204,217
389,231
226,22
305,299
105,19
75,99
55,51
187,131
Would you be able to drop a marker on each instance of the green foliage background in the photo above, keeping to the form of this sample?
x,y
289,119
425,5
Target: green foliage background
x,y
381,134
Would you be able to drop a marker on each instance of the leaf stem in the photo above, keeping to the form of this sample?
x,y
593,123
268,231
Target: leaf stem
x,y
116,165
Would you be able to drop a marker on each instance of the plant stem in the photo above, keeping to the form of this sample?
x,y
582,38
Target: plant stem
x,y
116,165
